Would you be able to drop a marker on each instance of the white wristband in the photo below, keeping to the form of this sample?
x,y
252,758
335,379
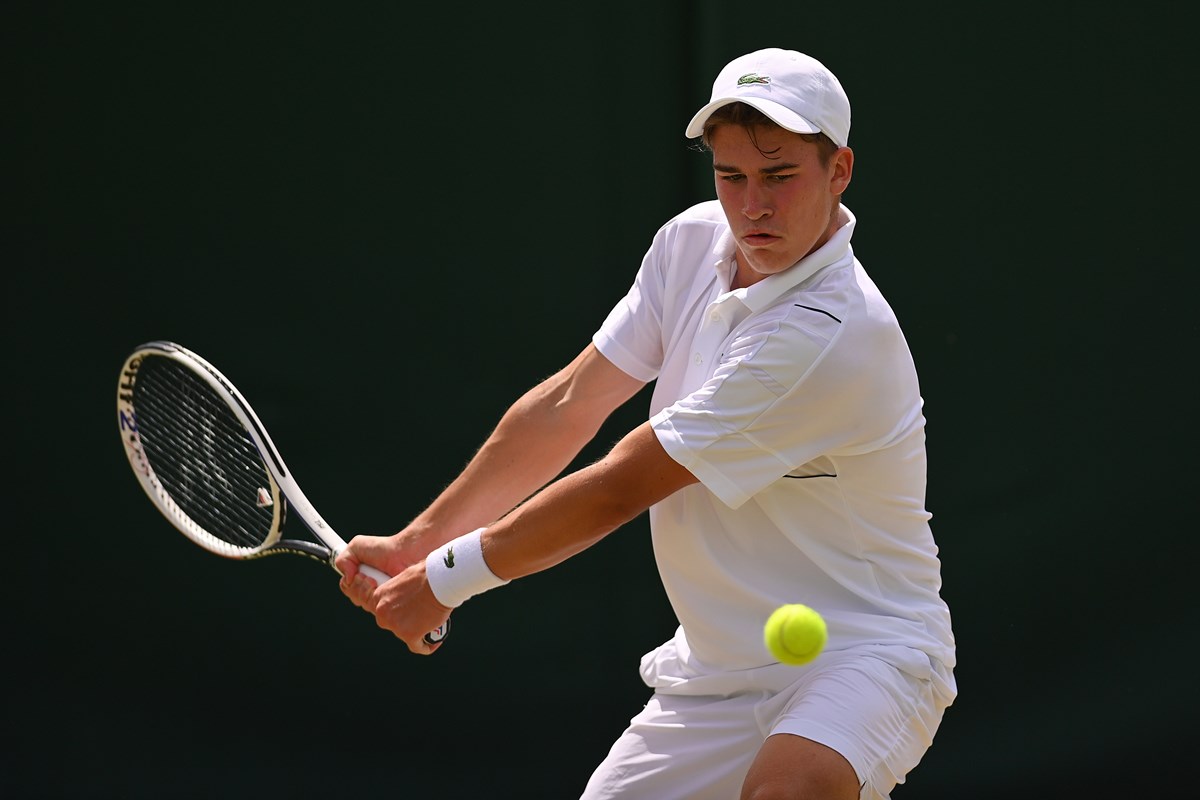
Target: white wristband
x,y
456,570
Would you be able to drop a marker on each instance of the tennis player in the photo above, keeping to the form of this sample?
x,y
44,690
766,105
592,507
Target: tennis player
x,y
783,461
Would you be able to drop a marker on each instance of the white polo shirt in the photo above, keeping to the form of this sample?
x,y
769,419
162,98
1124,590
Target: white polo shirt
x,y
795,402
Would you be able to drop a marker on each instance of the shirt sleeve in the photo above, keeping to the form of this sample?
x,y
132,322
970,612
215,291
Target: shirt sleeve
x,y
631,334
787,391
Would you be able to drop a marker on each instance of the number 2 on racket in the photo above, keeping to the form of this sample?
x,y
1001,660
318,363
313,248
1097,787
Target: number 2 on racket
x,y
206,461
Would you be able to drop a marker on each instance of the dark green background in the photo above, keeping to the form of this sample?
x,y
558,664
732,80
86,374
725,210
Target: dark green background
x,y
383,224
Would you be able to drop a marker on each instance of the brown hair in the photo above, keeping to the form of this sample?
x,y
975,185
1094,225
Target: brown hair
x,y
749,118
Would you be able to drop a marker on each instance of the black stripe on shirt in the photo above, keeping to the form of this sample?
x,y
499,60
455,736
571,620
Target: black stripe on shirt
x,y
819,311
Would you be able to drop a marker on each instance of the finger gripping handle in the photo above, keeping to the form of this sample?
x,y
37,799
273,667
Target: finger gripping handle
x,y
434,636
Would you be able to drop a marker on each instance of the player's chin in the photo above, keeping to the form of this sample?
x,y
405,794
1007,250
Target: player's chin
x,y
767,264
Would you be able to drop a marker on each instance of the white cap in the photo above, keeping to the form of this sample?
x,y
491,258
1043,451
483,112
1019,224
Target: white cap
x,y
794,90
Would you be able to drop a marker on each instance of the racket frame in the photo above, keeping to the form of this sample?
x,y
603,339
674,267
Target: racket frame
x,y
284,490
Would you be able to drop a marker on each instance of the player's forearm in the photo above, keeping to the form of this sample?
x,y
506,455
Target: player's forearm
x,y
579,509
564,519
532,444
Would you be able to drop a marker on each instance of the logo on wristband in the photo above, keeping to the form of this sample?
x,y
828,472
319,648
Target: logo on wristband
x,y
448,559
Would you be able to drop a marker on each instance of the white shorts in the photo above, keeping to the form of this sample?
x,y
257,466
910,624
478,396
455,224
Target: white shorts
x,y
881,719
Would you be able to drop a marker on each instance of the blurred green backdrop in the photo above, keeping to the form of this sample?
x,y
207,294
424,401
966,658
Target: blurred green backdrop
x,y
384,223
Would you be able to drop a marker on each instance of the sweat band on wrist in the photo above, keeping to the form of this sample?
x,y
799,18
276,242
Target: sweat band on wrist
x,y
456,570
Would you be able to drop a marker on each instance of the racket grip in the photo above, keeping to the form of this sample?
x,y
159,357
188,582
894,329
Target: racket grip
x,y
376,575
434,636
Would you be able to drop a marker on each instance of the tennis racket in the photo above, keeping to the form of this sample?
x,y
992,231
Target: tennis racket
x,y
207,463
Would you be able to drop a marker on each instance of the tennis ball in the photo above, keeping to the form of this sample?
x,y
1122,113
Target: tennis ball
x,y
795,634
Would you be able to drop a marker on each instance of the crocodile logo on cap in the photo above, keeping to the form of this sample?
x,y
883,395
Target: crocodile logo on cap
x,y
752,77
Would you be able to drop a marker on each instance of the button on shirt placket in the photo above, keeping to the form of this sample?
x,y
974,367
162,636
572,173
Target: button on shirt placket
x,y
706,347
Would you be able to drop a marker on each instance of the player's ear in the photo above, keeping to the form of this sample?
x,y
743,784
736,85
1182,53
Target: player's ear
x,y
841,170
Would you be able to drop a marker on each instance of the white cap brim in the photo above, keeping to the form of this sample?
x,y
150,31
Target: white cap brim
x,y
783,116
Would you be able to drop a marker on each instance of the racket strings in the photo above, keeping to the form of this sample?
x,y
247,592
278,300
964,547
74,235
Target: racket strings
x,y
201,455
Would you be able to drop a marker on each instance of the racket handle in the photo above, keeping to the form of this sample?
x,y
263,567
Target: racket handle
x,y
434,636
376,575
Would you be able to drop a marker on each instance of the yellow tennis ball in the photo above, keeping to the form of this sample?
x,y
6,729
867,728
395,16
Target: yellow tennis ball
x,y
795,634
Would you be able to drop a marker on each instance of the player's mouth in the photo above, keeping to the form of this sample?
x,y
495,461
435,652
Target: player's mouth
x,y
759,238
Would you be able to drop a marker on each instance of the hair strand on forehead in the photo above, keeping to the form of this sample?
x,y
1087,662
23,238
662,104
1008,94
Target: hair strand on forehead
x,y
749,118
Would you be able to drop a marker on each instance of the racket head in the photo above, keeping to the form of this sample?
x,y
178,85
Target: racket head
x,y
206,462
186,433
